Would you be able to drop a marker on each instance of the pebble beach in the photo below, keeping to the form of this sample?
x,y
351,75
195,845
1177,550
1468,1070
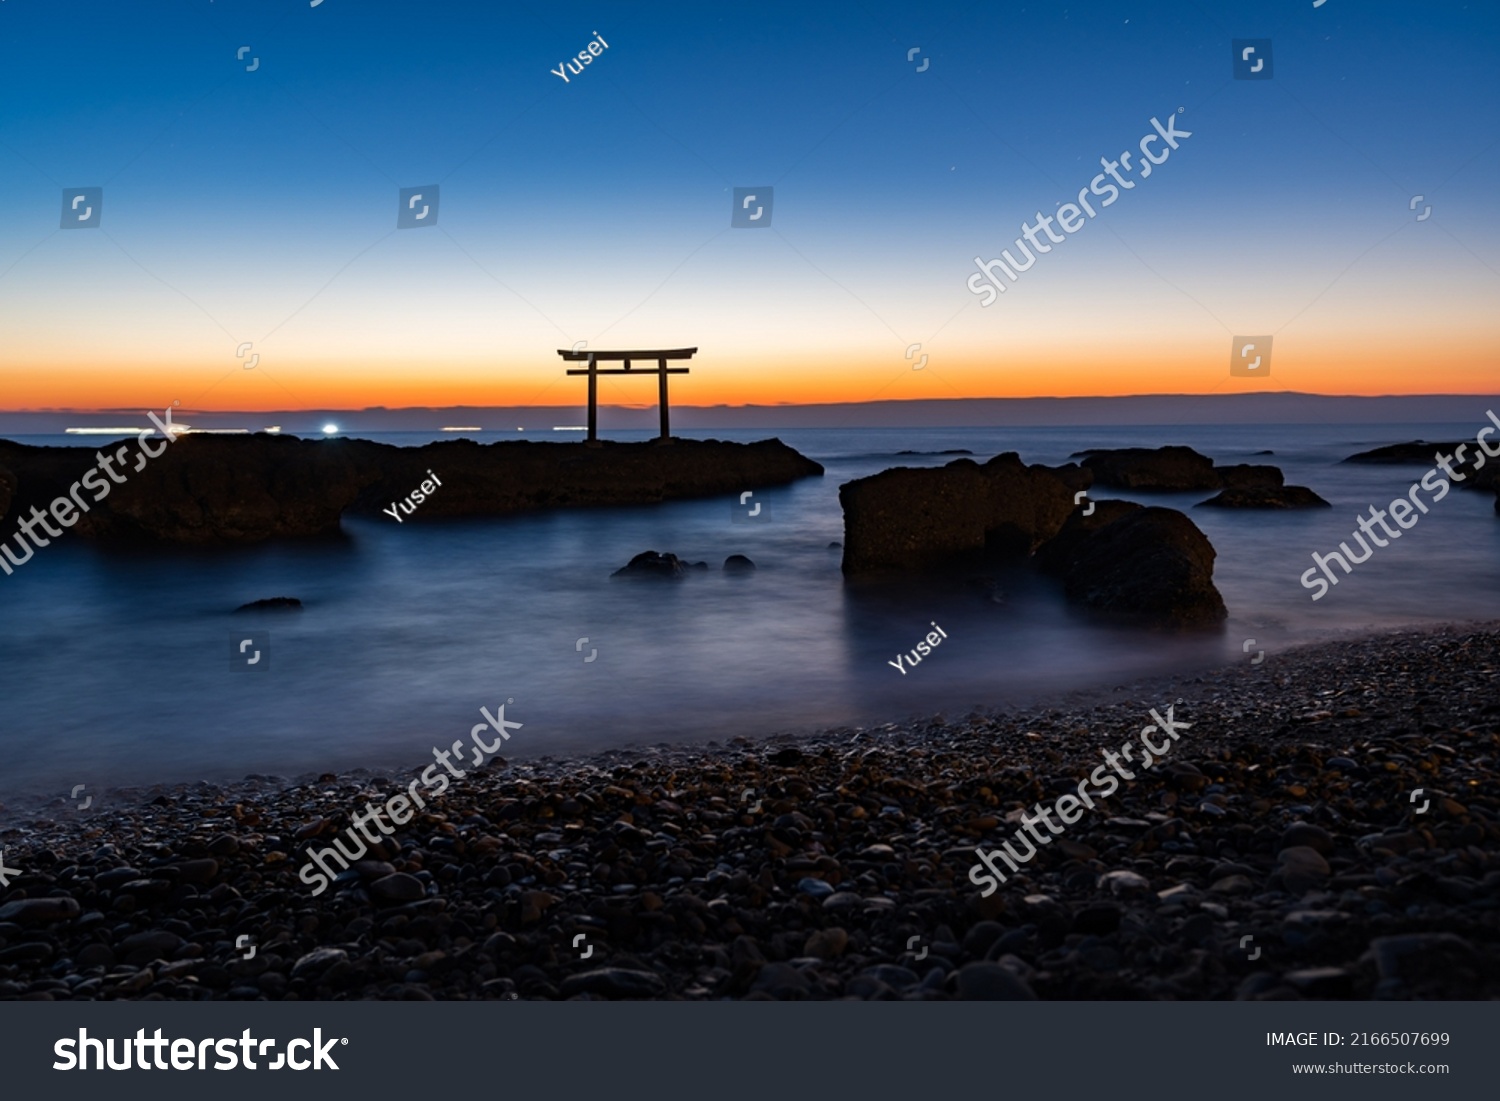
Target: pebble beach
x,y
1283,850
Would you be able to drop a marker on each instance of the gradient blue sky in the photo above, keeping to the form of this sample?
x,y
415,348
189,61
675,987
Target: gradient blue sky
x,y
598,210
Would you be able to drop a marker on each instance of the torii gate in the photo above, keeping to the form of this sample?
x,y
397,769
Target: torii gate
x,y
661,371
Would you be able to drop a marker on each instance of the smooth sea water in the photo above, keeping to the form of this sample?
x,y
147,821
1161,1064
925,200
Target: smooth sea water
x,y
115,669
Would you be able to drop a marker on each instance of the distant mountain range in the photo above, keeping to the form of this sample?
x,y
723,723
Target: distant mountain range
x,y
1145,409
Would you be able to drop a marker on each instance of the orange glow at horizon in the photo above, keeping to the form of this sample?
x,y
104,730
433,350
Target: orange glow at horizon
x,y
1320,367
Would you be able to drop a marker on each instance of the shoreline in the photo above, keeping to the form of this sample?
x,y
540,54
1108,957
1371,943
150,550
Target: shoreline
x,y
863,839
33,804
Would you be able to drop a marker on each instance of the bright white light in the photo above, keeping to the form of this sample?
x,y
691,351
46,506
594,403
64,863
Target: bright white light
x,y
330,429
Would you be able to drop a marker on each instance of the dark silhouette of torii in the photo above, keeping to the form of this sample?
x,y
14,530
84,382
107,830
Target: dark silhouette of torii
x,y
661,371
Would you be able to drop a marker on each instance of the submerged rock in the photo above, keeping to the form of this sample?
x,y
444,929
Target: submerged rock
x,y
1417,452
1279,497
738,563
271,603
1474,474
649,564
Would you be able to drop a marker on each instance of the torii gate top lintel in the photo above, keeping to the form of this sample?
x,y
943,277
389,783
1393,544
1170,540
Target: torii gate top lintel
x,y
668,353
593,371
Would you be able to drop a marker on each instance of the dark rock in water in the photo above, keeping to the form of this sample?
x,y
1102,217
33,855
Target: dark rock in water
x,y
1161,468
1417,453
1174,469
1056,555
1152,564
1265,452
269,603
1281,497
650,564
207,490
908,520
201,489
699,566
835,545
1250,476
738,563
1423,453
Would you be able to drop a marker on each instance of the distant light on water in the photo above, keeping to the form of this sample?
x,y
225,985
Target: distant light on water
x,y
570,428
330,429
178,429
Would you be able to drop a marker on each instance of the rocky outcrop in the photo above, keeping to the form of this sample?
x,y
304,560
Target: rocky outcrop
x,y
227,489
1152,565
651,566
1417,452
738,563
1163,468
1278,497
910,520
244,489
515,476
272,604
1477,469
1175,469
1056,555
1250,476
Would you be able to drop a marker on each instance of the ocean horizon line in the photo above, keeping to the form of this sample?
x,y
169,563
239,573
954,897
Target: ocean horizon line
x,y
1145,410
